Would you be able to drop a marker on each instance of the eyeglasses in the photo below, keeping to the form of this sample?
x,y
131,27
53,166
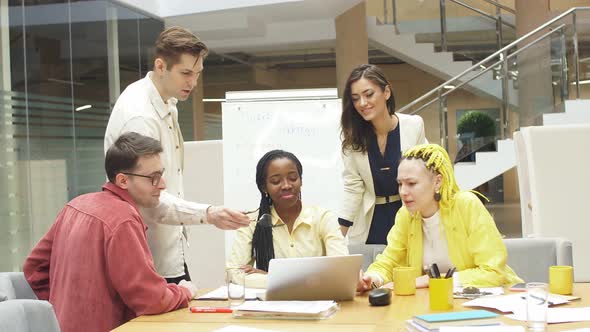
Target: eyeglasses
x,y
155,178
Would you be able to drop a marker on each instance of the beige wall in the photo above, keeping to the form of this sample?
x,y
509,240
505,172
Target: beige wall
x,y
561,5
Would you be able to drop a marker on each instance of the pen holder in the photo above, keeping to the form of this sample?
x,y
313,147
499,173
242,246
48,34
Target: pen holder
x,y
440,291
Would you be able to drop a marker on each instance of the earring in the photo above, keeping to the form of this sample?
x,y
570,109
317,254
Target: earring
x,y
268,199
437,195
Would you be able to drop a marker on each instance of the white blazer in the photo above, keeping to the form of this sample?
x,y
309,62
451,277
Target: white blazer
x,y
358,202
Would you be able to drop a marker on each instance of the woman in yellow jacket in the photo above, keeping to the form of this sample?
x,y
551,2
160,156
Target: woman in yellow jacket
x,y
440,224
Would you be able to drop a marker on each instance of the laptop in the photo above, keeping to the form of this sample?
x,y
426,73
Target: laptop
x,y
313,278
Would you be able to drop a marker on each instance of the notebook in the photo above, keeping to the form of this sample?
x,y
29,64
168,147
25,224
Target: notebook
x,y
313,278
457,318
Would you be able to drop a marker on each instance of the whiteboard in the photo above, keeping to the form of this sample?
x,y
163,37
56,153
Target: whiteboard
x,y
304,122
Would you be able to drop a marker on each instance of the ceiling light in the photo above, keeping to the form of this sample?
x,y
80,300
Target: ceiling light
x,y
83,107
449,87
582,82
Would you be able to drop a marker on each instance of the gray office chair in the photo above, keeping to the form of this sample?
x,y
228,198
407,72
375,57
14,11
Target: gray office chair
x,y
531,258
369,252
13,285
20,310
27,316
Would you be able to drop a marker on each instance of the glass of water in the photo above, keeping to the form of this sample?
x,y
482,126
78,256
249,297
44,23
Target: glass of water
x,y
536,306
236,286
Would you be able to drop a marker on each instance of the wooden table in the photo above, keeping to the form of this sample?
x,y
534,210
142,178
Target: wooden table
x,y
354,316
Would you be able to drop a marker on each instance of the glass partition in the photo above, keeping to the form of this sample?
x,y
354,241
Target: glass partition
x,y
55,104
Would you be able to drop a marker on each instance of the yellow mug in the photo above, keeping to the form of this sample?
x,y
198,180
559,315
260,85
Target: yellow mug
x,y
404,280
561,279
440,291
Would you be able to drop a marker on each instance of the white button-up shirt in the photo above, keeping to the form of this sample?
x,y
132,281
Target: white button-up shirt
x,y
141,109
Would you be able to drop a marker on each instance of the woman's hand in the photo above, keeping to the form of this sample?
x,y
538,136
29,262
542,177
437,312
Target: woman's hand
x,y
364,283
250,270
422,281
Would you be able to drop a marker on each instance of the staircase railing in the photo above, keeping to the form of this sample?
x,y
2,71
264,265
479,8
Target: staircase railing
x,y
497,18
500,60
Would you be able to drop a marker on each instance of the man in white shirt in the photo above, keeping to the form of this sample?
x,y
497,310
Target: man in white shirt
x,y
148,107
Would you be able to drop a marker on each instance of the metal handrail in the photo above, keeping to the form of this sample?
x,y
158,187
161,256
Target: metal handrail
x,y
477,65
481,12
508,9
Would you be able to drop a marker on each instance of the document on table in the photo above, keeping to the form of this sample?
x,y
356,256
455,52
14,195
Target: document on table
x,y
221,294
558,315
286,309
511,302
299,307
495,328
237,328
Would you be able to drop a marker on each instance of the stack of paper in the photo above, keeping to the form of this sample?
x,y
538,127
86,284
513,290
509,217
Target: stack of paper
x,y
433,322
286,309
221,294
237,328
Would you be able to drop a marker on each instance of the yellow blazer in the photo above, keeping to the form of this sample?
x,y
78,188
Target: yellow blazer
x,y
475,246
358,203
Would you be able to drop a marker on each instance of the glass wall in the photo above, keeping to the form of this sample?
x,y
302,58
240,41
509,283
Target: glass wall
x,y
63,63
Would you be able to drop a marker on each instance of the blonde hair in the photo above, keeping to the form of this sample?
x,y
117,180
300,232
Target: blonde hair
x,y
437,160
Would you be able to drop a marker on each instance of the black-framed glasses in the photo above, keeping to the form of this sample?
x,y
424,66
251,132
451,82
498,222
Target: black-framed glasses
x,y
154,178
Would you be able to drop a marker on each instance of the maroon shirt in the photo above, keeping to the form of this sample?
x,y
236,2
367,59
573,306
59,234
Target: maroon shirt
x,y
95,267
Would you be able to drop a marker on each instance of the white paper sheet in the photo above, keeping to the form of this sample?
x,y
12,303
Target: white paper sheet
x,y
510,303
221,294
301,307
558,315
237,328
495,328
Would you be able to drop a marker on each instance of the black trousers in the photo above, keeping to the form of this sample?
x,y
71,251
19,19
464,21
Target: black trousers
x,y
176,280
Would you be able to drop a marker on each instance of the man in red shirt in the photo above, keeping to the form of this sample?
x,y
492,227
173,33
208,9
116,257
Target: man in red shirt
x,y
94,264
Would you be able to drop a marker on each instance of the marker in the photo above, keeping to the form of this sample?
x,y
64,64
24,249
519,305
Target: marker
x,y
217,310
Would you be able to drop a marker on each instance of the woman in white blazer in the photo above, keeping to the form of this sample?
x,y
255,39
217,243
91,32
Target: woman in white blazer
x,y
374,138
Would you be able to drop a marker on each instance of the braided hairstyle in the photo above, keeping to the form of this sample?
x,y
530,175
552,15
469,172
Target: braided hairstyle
x,y
262,246
437,160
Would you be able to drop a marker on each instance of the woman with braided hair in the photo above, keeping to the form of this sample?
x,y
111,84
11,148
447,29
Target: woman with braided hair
x,y
293,229
440,224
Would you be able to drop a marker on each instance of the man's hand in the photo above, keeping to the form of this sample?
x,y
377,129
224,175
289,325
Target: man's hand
x,y
190,286
226,218
249,270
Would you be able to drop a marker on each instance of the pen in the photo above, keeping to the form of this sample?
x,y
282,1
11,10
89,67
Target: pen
x,y
539,299
210,310
434,271
450,273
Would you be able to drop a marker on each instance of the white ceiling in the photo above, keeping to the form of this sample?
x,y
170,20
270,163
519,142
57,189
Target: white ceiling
x,y
168,8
